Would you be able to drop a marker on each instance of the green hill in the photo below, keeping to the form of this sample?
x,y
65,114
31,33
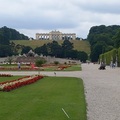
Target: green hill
x,y
78,45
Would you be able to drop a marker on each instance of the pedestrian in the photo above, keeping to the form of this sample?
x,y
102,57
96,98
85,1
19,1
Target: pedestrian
x,y
19,65
55,73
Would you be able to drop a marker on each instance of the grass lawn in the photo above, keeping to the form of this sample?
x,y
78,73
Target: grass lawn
x,y
44,100
2,79
74,68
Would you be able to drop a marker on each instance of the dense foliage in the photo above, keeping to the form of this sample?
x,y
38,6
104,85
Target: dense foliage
x,y
39,62
7,34
26,49
102,39
5,50
111,57
63,51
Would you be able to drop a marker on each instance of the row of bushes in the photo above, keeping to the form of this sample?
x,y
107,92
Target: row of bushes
x,y
111,56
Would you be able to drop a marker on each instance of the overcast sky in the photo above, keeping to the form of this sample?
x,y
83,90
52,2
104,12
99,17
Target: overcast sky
x,y
68,16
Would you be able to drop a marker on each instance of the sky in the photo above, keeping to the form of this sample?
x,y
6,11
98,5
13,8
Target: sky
x,y
67,16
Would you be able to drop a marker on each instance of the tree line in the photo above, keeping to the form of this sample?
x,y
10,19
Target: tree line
x,y
8,48
103,39
7,34
61,51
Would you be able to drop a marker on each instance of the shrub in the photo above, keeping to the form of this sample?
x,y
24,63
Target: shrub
x,y
56,62
39,62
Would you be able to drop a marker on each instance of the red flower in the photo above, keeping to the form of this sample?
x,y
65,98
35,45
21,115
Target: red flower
x,y
10,85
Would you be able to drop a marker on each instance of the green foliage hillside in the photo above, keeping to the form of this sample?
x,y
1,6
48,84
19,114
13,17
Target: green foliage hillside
x,y
7,34
78,45
103,39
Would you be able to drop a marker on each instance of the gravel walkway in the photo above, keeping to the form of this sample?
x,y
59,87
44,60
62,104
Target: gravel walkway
x,y
102,90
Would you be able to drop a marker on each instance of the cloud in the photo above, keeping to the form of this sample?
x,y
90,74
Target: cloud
x,y
37,15
102,6
76,16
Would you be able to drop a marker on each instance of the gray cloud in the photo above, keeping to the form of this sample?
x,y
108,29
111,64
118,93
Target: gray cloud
x,y
103,8
65,15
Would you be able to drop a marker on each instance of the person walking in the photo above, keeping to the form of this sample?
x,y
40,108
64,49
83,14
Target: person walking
x,y
19,65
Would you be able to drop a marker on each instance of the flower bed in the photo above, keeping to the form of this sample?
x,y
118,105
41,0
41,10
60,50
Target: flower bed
x,y
10,85
15,68
62,67
6,75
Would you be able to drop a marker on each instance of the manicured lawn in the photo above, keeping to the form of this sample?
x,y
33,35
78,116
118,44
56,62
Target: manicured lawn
x,y
74,68
44,100
2,79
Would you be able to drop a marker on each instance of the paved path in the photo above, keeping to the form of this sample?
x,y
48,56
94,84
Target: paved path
x,y
102,90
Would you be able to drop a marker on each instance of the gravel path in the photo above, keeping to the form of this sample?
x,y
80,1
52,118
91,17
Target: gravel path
x,y
102,90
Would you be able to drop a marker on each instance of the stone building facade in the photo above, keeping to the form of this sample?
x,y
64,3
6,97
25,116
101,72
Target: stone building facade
x,y
55,35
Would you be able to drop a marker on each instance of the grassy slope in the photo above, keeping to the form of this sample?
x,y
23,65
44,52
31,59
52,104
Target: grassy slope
x,y
44,100
78,45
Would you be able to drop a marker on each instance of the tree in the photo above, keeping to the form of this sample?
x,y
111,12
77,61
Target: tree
x,y
56,62
55,49
10,60
66,47
98,49
72,54
12,34
5,50
117,39
39,62
82,56
52,49
4,39
104,38
42,50
26,49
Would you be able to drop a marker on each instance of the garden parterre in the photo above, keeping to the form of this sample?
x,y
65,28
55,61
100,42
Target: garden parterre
x,y
44,100
10,85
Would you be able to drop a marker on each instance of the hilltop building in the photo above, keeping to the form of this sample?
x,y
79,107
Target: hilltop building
x,y
55,35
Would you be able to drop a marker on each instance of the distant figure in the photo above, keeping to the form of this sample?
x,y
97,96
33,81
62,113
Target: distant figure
x,y
19,65
102,66
113,65
32,65
55,73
